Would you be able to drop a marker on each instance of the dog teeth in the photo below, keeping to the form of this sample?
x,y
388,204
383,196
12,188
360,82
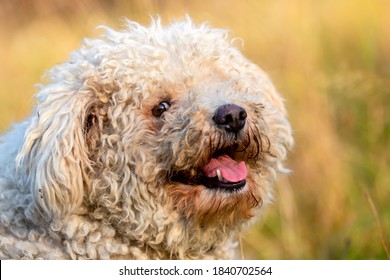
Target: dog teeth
x,y
220,177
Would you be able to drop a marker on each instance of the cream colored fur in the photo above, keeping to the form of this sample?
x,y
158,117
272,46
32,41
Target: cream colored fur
x,y
90,174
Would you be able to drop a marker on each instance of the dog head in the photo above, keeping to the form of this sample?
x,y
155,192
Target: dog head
x,y
158,129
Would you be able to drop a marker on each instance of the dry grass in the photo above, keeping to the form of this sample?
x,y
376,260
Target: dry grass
x,y
329,58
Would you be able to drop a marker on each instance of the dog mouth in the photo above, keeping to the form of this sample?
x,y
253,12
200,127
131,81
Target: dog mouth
x,y
225,173
222,172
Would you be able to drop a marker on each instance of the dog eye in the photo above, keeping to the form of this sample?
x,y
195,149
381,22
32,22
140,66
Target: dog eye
x,y
158,110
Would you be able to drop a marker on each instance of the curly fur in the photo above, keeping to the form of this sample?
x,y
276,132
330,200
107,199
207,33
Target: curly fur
x,y
93,174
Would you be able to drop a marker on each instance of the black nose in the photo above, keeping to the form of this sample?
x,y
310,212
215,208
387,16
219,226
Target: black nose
x,y
231,117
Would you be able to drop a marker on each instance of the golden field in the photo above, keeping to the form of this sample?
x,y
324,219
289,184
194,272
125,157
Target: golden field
x,y
330,60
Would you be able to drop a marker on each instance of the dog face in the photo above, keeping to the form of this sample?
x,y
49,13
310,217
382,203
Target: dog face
x,y
160,123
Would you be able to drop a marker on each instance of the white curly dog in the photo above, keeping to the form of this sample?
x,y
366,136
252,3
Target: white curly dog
x,y
157,142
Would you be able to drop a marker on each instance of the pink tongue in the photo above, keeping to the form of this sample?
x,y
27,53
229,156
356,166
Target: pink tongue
x,y
230,170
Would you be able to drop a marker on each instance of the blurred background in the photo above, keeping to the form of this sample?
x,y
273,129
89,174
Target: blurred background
x,y
330,60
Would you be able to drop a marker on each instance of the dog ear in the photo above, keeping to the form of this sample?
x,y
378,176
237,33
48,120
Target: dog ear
x,y
54,155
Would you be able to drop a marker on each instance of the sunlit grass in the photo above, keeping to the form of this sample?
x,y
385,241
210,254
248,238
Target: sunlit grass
x,y
331,61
